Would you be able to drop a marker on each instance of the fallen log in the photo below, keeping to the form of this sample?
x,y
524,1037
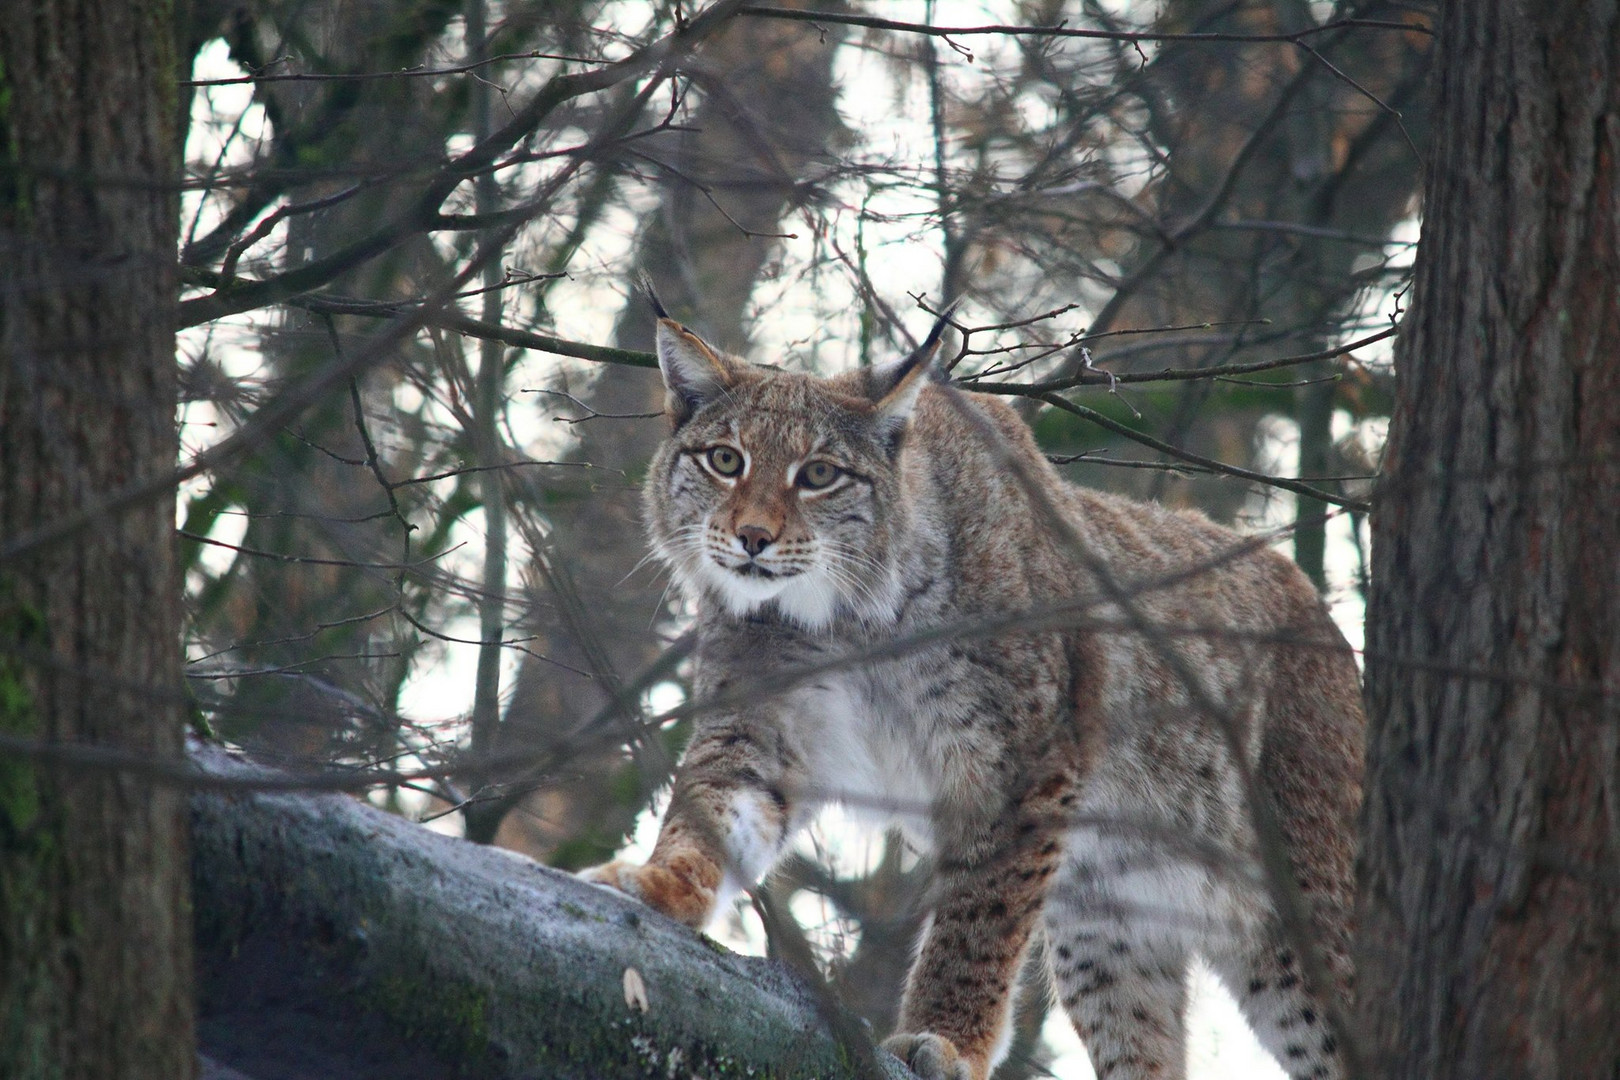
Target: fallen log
x,y
336,941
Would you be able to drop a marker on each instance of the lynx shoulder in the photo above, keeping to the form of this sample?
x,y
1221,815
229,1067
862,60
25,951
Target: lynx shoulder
x,y
902,607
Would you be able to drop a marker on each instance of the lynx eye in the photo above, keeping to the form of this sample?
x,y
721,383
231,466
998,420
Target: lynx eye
x,y
725,461
817,475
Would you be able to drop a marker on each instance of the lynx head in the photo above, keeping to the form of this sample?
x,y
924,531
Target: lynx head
x,y
782,491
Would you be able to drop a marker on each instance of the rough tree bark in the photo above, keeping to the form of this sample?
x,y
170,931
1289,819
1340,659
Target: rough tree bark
x,y
335,940
95,944
1490,915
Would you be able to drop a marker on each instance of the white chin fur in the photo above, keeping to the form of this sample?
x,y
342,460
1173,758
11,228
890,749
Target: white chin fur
x,y
807,599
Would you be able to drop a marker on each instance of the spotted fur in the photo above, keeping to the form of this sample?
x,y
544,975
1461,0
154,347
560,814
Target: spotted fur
x,y
1066,778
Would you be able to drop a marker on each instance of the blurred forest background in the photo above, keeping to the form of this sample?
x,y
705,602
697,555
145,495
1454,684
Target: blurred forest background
x,y
1180,232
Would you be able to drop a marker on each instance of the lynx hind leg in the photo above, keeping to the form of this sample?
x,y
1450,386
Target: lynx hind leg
x,y
1126,998
1287,1018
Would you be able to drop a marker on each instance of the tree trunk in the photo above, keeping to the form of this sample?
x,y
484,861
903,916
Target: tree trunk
x,y
1490,904
95,943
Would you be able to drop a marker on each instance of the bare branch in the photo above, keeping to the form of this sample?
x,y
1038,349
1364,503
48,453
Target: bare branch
x,y
1062,31
1198,459
402,73
1097,377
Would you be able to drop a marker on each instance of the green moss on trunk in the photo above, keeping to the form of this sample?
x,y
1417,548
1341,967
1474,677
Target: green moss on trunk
x,y
28,859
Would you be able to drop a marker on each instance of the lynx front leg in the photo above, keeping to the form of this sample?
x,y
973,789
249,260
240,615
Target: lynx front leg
x,y
955,1018
732,813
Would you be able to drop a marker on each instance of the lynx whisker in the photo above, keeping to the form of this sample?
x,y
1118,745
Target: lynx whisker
x,y
651,556
845,563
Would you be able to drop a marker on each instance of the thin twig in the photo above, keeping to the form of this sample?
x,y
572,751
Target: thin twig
x,y
311,560
1198,459
590,413
1062,31
374,76
1081,378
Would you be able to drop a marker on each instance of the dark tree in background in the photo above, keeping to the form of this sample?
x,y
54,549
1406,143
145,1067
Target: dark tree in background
x,y
1322,169
300,492
95,920
1490,903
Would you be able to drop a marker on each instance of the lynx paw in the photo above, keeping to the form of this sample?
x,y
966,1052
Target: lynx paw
x,y
930,1056
657,887
617,874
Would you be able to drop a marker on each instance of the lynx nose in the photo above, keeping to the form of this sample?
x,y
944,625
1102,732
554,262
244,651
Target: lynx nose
x,y
754,539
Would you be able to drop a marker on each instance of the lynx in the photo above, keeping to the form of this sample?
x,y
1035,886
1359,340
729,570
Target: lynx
x,y
892,552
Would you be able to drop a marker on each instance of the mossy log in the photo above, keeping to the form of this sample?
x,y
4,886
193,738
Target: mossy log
x,y
335,941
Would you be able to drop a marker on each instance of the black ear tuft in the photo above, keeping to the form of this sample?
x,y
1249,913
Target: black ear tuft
x,y
931,342
895,387
644,280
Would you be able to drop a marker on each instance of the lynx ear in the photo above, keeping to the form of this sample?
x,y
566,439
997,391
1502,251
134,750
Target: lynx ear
x,y
896,386
693,372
